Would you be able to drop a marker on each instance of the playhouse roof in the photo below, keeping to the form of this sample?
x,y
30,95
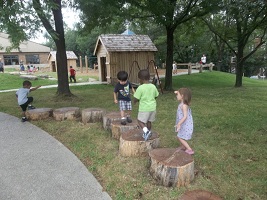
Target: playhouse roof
x,y
118,42
70,55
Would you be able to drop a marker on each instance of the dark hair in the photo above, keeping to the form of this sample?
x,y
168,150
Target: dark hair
x,y
26,83
144,75
186,93
122,76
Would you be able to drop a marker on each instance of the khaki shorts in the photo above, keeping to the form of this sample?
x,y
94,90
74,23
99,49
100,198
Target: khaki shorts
x,y
147,116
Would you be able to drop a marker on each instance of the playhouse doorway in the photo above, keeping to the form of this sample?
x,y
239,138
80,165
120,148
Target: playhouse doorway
x,y
103,68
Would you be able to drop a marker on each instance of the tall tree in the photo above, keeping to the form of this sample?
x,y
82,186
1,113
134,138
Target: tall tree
x,y
170,14
242,18
16,18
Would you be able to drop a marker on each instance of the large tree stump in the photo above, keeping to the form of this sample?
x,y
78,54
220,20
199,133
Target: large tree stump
x,y
110,117
92,115
39,113
199,195
132,143
117,129
68,113
171,167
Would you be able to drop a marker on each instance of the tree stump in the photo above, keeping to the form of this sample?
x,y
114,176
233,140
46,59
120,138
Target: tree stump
x,y
92,115
199,195
117,129
132,144
171,167
110,117
39,113
68,113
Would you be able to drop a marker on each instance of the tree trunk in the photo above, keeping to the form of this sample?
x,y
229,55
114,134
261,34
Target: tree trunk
x,y
239,67
62,69
169,59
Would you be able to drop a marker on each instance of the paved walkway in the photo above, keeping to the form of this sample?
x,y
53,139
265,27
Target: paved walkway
x,y
35,166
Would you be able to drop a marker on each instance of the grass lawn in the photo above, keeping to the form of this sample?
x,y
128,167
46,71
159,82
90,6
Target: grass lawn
x,y
230,137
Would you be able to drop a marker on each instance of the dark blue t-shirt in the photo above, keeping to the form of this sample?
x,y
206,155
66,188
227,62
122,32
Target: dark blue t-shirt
x,y
123,91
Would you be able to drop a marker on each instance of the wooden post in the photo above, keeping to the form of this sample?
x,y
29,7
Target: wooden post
x,y
86,64
189,68
81,65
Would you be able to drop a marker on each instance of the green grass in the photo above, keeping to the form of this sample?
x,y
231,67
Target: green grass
x,y
230,137
14,81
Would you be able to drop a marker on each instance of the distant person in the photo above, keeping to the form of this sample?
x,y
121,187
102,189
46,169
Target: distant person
x,y
146,95
184,119
122,96
23,100
1,66
31,68
203,59
22,68
174,68
72,74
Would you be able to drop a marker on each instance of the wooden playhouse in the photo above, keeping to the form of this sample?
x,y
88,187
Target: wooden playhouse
x,y
71,60
116,52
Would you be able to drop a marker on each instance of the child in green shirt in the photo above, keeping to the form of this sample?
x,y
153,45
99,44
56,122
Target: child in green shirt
x,y
146,94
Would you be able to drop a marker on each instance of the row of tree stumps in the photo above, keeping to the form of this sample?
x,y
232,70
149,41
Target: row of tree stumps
x,y
168,166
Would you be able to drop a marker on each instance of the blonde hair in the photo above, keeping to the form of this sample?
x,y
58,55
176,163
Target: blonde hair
x,y
186,93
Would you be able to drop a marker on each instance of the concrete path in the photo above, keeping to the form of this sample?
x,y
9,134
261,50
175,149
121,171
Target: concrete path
x,y
35,166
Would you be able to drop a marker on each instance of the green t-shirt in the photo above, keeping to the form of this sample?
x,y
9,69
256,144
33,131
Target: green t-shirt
x,y
146,94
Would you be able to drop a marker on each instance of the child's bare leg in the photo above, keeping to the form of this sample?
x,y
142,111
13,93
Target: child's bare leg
x,y
149,125
128,116
122,113
184,143
123,117
23,114
141,124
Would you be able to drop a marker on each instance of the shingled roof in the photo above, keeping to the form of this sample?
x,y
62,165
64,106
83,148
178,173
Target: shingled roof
x,y
69,54
118,42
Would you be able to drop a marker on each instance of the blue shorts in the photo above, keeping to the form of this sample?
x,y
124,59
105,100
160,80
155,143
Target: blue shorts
x,y
125,105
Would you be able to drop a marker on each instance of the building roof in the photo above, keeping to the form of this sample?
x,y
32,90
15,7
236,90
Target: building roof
x,y
24,47
118,42
128,32
70,55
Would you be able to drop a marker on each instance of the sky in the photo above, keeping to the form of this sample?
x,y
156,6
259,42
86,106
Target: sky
x,y
70,17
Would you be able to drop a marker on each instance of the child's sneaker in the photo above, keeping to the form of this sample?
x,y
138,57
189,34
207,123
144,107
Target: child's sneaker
x,y
129,120
31,107
123,121
24,119
148,135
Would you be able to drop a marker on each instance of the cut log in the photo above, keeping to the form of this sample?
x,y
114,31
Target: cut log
x,y
117,129
92,115
39,113
68,113
199,195
132,144
110,117
171,167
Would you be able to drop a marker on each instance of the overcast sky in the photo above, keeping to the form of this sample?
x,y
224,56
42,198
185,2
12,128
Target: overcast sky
x,y
69,17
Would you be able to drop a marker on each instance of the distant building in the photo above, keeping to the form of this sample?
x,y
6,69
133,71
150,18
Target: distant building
x,y
71,60
28,52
